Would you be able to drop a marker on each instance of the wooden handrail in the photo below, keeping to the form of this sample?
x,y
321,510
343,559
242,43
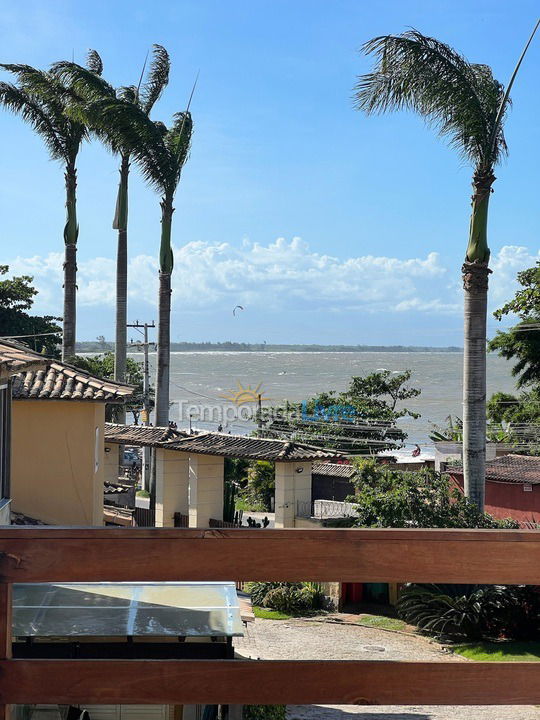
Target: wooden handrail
x,y
53,554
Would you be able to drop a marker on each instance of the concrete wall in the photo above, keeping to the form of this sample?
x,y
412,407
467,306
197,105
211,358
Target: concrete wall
x,y
205,489
57,461
172,486
293,485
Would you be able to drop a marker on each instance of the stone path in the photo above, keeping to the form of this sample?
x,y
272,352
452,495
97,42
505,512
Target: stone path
x,y
307,640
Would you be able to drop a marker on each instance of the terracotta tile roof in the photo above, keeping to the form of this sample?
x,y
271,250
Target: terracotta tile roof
x,y
213,443
15,357
60,381
140,435
20,519
334,470
250,448
523,469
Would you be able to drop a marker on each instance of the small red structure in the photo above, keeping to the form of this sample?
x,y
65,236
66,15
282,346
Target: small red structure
x,y
512,487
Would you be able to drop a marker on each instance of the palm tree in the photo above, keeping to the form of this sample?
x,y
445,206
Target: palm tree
x,y
40,99
467,105
90,88
161,154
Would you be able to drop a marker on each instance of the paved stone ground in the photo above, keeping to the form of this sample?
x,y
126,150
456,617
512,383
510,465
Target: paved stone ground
x,y
307,640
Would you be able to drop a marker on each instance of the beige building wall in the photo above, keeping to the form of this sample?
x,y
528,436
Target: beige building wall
x,y
172,486
293,485
111,465
57,463
205,489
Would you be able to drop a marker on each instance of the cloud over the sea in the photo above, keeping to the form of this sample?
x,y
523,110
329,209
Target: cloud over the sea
x,y
281,275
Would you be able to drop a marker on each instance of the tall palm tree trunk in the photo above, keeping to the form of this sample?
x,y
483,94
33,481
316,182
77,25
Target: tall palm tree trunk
x,y
120,224
71,232
164,315
475,273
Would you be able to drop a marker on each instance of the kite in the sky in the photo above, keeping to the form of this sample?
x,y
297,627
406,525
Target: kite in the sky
x,y
238,307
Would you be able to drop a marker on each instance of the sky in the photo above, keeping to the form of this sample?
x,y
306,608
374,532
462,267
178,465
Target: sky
x,y
325,225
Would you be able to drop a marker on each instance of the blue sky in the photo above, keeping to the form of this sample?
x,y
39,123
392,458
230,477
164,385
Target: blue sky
x,y
327,226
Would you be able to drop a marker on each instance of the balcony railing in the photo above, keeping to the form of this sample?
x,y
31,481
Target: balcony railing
x,y
140,554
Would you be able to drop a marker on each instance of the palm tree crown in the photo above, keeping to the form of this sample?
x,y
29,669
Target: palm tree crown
x,y
458,98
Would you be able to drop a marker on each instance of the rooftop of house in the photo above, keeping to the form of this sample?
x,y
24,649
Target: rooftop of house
x,y
36,377
15,357
141,435
523,469
214,443
339,470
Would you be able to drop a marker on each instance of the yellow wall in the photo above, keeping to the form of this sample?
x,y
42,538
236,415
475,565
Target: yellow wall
x,y
53,461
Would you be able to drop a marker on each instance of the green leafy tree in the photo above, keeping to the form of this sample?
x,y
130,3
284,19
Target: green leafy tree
x,y
41,99
360,421
260,483
90,87
16,297
422,499
463,102
521,343
161,154
103,367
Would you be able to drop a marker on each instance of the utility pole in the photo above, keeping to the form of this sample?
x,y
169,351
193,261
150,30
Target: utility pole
x,y
142,328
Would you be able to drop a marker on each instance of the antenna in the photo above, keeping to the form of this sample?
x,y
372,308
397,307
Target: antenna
x,y
142,73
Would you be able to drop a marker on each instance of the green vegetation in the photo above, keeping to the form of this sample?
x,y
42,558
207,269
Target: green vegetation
x,y
500,651
143,493
382,621
264,712
16,297
267,614
424,499
291,598
472,612
360,421
103,367
228,346
467,106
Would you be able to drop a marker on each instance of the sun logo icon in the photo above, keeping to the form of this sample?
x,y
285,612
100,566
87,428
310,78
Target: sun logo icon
x,y
243,395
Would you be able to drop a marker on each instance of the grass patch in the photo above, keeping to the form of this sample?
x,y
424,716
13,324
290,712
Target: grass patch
x,y
383,622
248,506
267,614
500,651
143,493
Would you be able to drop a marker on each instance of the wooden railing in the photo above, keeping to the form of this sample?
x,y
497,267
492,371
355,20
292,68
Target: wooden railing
x,y
140,554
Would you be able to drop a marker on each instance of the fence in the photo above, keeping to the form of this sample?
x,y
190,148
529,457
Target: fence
x,y
145,517
152,555
323,509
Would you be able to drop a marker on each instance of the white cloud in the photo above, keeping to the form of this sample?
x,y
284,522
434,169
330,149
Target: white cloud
x,y
279,276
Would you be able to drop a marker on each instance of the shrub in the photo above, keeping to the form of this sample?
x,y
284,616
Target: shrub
x,y
287,597
471,612
264,712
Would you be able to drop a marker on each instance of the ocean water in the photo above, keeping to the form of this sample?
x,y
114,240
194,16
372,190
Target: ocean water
x,y
200,379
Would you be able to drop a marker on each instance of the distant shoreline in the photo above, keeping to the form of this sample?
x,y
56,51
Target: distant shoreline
x,y
100,347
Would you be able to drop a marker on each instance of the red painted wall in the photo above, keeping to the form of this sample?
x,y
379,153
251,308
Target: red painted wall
x,y
505,500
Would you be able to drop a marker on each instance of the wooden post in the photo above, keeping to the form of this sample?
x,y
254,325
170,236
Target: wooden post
x,y
5,635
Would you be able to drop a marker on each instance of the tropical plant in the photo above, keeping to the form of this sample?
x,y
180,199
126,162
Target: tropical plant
x,y
40,98
287,597
161,154
264,712
472,612
467,105
38,332
362,420
423,499
521,343
89,87
261,484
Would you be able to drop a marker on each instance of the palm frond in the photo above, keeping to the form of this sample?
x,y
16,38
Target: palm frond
x,y
85,83
129,93
178,142
18,101
94,63
156,79
456,97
